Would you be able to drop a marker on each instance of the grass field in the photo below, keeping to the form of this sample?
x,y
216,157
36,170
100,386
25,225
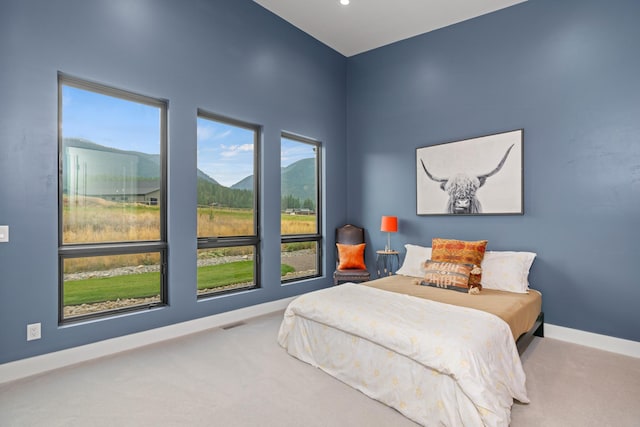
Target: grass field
x,y
99,221
99,289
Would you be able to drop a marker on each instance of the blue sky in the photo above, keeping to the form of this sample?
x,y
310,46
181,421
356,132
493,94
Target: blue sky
x,y
292,151
110,121
225,152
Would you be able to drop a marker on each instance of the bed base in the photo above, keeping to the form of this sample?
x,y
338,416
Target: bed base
x,y
537,330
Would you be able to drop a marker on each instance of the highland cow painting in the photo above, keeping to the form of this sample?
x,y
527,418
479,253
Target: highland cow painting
x,y
477,176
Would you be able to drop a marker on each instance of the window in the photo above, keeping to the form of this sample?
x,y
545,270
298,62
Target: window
x,y
301,210
228,241
112,192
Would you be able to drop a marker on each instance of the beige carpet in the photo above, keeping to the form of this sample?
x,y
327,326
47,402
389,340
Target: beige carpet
x,y
241,377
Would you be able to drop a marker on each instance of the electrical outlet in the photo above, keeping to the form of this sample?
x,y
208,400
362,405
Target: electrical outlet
x,y
4,233
33,332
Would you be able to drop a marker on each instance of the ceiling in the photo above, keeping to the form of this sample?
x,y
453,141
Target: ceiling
x,y
367,24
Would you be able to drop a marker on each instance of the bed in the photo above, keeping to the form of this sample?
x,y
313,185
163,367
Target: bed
x,y
438,357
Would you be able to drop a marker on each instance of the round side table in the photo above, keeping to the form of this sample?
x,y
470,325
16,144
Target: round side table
x,y
387,262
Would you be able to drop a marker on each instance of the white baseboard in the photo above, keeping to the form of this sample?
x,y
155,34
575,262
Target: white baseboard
x,y
589,339
39,364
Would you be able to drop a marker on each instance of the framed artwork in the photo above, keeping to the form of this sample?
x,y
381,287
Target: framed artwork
x,y
477,176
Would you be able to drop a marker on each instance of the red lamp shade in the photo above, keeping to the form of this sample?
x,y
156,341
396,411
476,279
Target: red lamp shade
x,y
389,224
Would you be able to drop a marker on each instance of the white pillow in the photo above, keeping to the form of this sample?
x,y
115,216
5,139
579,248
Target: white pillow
x,y
507,271
413,260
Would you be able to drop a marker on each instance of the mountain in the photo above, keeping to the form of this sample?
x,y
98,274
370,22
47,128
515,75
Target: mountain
x,y
244,184
108,161
111,159
205,177
298,180
210,193
106,172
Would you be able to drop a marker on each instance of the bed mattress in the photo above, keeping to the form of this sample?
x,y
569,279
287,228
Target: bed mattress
x,y
436,363
520,311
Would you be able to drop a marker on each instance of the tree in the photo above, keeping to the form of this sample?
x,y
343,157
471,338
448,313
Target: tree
x,y
308,204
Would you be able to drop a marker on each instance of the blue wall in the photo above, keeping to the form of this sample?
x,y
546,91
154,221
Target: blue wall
x,y
229,57
567,72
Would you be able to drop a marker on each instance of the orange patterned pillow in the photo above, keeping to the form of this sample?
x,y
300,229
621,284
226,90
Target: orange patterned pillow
x,y
461,251
351,257
449,275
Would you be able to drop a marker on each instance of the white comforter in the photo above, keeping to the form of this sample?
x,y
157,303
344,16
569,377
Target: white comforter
x,y
435,363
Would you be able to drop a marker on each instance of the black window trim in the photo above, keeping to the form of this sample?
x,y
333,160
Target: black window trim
x,y
79,250
211,242
317,236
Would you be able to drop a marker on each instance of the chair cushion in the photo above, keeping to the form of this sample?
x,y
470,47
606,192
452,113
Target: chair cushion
x,y
351,256
354,276
351,273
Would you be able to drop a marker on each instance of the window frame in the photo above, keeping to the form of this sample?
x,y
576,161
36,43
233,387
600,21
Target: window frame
x,y
214,242
80,250
316,237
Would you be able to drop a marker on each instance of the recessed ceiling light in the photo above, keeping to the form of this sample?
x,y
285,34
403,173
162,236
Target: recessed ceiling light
x,y
344,2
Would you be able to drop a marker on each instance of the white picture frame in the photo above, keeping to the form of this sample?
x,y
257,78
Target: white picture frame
x,y
477,176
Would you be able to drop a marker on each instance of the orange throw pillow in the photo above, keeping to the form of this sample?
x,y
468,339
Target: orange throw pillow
x,y
351,257
446,250
447,274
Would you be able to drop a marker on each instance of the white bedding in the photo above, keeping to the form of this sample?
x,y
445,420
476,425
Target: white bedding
x,y
436,363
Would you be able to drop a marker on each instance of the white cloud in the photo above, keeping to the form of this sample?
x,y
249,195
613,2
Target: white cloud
x,y
234,150
208,133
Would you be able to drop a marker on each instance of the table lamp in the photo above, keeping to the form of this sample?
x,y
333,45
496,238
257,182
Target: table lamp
x,y
390,225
